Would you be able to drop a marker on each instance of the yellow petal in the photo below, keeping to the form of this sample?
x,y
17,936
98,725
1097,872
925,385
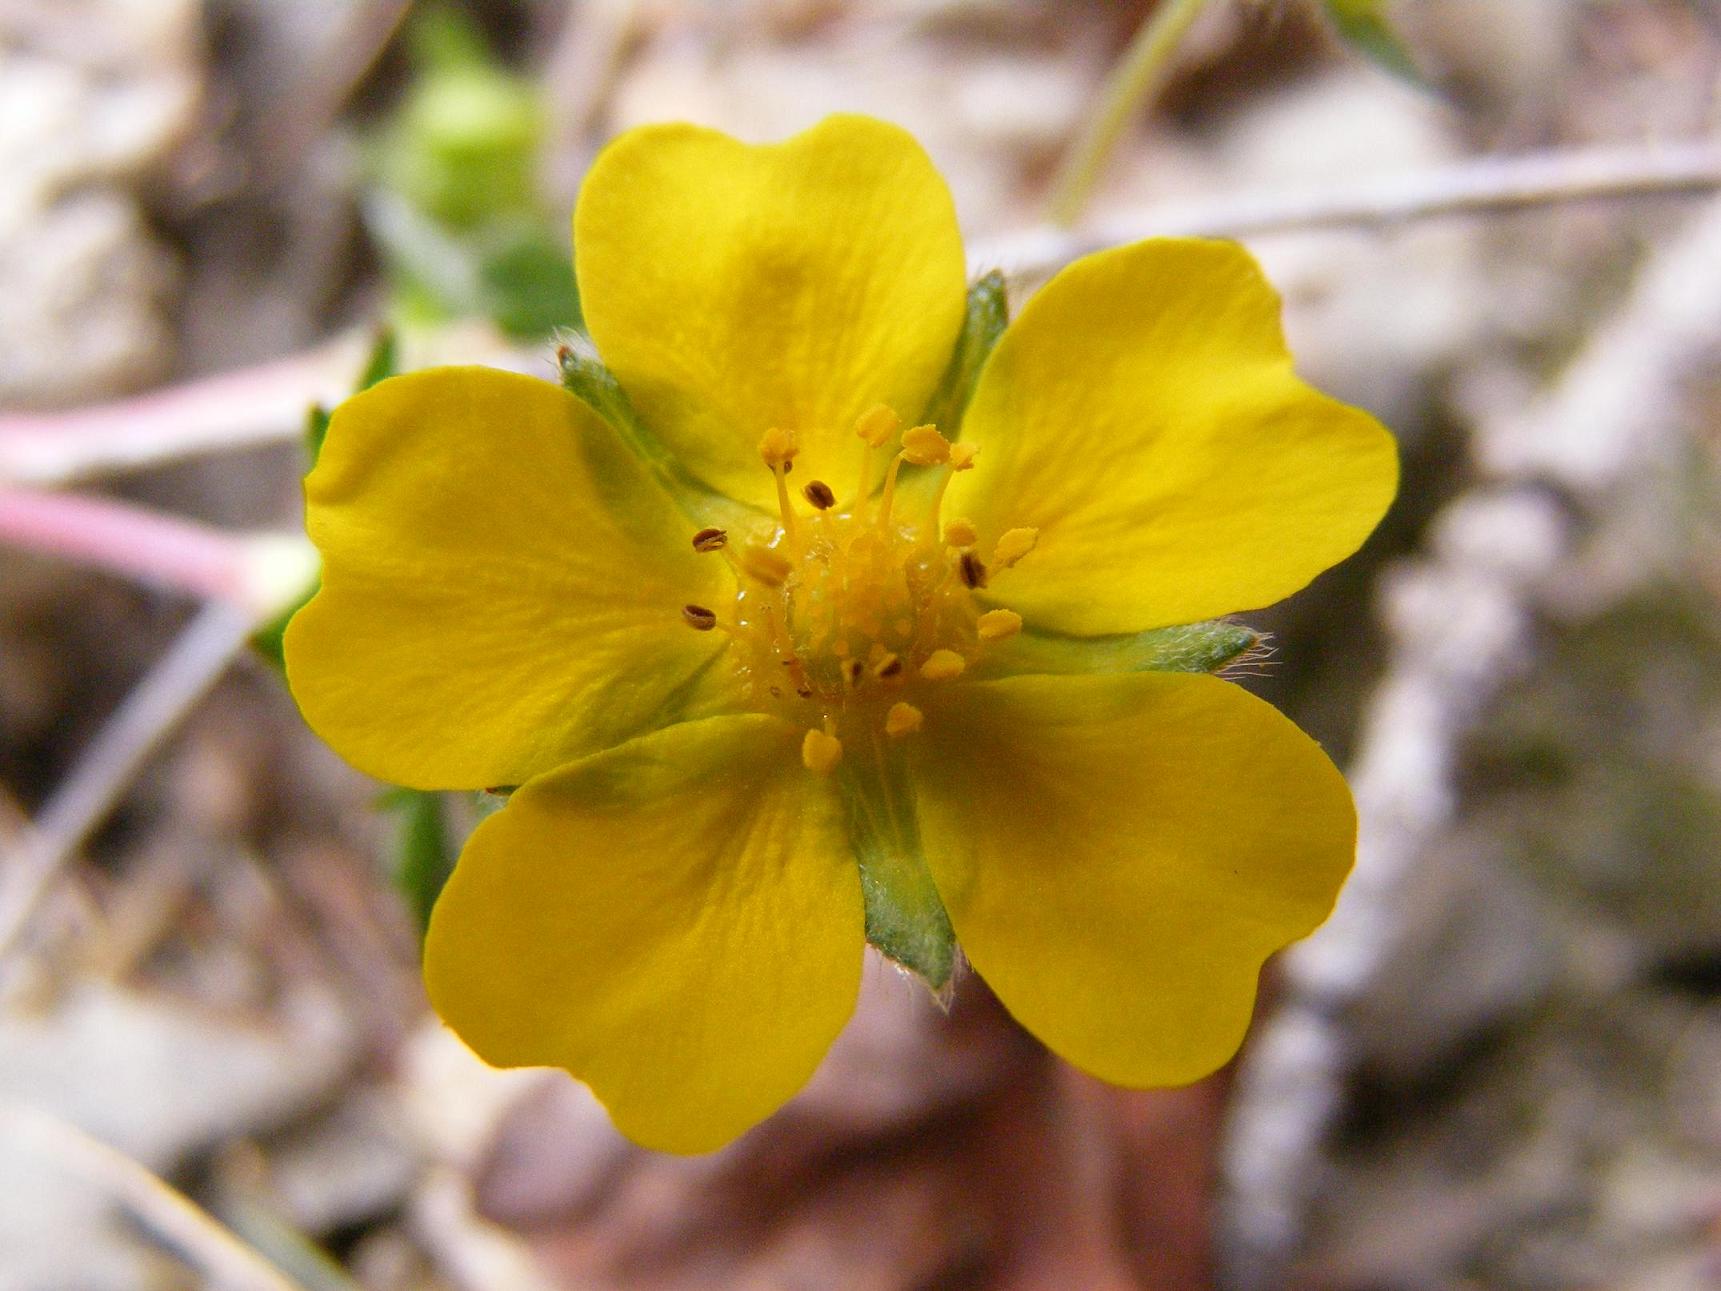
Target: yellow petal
x,y
1118,855
675,921
502,585
735,288
1142,414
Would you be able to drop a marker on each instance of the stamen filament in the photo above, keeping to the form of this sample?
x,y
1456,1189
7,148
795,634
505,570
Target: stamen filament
x,y
783,508
890,490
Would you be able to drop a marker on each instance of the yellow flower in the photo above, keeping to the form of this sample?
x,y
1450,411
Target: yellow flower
x,y
780,671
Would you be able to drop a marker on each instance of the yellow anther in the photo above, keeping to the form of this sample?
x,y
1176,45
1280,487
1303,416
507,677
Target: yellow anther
x,y
924,446
995,625
877,424
962,456
961,533
821,751
777,446
765,564
903,719
942,665
1013,544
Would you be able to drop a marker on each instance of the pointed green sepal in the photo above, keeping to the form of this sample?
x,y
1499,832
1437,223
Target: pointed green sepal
x,y
1364,26
424,850
1190,647
988,314
905,917
586,378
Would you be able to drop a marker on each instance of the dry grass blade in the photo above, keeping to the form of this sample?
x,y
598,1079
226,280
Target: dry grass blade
x,y
224,1260
158,703
1483,185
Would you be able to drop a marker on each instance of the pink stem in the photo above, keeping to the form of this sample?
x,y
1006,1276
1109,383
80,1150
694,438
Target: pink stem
x,y
180,555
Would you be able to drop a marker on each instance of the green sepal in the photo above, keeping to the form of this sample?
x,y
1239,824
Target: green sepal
x,y
905,917
1364,26
423,852
1190,647
987,316
586,378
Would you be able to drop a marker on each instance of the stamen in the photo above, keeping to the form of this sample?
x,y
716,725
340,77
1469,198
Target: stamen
x,y
1013,544
888,666
930,531
820,495
777,446
961,533
765,564
889,490
877,424
924,446
973,570
852,671
942,665
902,719
821,751
962,456
875,427
698,618
708,540
995,625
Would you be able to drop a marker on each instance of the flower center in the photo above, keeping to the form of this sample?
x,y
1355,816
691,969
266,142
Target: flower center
x,y
846,613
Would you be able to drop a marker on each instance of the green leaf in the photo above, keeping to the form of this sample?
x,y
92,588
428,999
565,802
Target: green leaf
x,y
1191,647
988,315
423,850
1364,25
526,285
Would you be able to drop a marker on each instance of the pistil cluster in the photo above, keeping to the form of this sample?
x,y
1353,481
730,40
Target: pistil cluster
x,y
846,612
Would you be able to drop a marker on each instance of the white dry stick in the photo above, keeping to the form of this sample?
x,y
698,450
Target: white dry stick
x,y
1477,186
149,713
1461,622
227,1264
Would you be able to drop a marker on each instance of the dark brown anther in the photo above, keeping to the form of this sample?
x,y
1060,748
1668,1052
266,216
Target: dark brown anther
x,y
889,666
788,466
853,670
698,618
805,692
819,494
973,570
710,540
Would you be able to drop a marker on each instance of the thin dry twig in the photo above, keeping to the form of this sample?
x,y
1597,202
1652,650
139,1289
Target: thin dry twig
x,y
226,1261
266,404
149,713
1479,186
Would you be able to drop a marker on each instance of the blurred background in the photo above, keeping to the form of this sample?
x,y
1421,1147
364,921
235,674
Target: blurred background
x,y
1495,225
